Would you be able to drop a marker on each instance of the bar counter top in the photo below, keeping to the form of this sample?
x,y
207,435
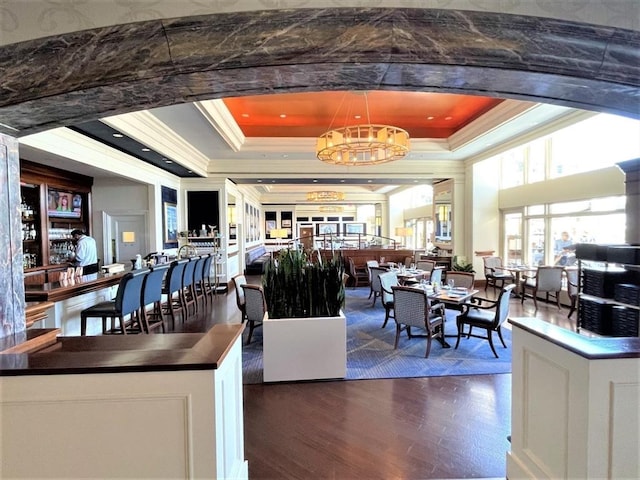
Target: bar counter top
x,y
591,348
126,353
56,291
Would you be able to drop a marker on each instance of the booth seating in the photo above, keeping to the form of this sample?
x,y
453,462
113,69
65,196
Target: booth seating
x,y
255,260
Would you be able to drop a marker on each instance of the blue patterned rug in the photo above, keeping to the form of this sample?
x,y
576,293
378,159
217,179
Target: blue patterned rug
x,y
370,353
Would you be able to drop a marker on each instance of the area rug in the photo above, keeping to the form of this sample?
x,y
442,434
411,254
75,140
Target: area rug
x,y
370,353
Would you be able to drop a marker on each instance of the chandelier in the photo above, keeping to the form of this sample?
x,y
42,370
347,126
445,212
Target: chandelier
x,y
325,196
365,144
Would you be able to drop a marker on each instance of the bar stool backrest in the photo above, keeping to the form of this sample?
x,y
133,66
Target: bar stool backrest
x,y
152,287
173,282
129,296
187,275
206,268
198,273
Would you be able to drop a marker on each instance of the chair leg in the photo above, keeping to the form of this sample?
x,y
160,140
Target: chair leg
x,y
558,300
428,347
499,330
535,299
490,337
251,327
572,308
398,330
460,330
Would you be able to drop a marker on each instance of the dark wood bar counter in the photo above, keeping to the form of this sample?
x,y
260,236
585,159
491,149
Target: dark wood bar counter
x,y
131,353
56,291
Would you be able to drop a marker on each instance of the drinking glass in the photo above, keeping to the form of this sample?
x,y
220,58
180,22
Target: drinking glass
x,y
451,282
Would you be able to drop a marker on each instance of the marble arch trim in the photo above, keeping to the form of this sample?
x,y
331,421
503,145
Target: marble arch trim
x,y
80,76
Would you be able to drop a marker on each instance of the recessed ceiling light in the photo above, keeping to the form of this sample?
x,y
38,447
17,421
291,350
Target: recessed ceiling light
x,y
285,156
342,181
369,181
168,161
245,115
448,118
273,181
259,181
145,149
357,117
283,115
315,181
431,117
118,135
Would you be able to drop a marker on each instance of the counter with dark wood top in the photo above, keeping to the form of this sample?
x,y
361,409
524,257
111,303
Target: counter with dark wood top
x,y
56,291
131,353
591,348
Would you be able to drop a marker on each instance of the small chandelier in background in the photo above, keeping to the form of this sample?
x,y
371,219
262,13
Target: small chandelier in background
x,y
331,208
366,144
325,196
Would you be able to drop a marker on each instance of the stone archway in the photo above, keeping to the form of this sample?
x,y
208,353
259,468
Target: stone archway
x,y
94,73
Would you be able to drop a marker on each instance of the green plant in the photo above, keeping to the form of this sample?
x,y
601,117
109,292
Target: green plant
x,y
462,266
294,286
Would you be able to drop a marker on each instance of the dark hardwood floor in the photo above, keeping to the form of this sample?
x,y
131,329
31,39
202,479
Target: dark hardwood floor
x,y
417,428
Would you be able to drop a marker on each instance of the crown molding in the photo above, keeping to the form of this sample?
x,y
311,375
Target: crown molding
x,y
146,128
219,117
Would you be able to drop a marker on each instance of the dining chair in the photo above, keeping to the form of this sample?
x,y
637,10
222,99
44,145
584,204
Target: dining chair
x,y
547,279
238,282
376,289
572,288
460,279
387,280
427,266
208,284
255,307
172,290
152,295
494,274
486,314
369,265
126,304
359,275
412,308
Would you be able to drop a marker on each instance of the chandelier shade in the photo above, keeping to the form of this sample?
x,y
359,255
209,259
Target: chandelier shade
x,y
324,196
363,145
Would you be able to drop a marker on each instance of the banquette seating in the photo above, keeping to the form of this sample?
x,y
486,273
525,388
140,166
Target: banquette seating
x,y
255,260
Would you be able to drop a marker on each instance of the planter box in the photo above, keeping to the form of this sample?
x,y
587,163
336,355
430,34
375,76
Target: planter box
x,y
304,348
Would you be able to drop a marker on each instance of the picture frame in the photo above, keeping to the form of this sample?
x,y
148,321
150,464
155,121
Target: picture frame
x,y
286,223
356,228
327,228
170,222
269,225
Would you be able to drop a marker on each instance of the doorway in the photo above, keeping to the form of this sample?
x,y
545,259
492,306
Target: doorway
x,y
125,236
306,237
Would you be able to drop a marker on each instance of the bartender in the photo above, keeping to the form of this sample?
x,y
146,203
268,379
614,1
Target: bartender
x,y
86,255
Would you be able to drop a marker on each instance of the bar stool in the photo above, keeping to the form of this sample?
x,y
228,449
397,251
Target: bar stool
x,y
198,278
207,285
187,292
126,303
152,295
172,290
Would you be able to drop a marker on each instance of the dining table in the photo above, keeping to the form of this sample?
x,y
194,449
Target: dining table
x,y
518,271
448,295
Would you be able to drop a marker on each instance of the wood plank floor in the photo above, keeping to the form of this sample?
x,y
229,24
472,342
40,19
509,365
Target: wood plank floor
x,y
419,428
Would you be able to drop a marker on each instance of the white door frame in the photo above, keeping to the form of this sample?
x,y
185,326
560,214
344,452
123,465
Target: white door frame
x,y
108,234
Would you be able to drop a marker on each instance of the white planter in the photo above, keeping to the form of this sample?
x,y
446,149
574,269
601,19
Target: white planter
x,y
304,348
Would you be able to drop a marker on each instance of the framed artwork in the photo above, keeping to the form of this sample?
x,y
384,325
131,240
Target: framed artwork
x,y
269,225
286,223
328,228
170,222
354,228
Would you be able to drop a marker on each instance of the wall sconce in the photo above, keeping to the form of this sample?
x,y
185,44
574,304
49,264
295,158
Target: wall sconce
x,y
128,237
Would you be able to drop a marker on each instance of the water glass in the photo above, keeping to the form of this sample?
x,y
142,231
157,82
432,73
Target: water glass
x,y
451,282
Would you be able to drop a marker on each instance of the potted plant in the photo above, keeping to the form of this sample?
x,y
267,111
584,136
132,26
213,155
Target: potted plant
x,y
294,286
304,329
462,265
